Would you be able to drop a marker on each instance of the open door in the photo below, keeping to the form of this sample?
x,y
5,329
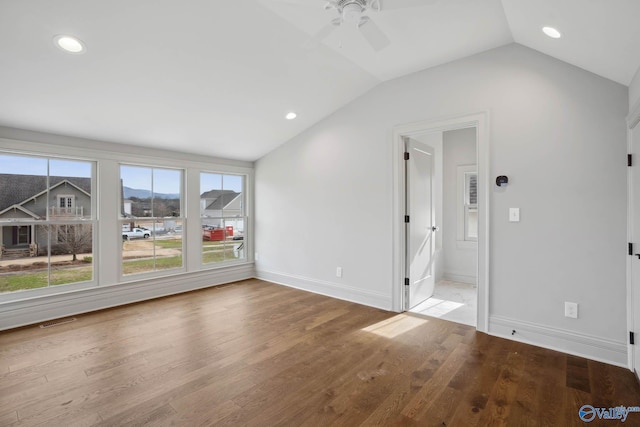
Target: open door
x,y
420,227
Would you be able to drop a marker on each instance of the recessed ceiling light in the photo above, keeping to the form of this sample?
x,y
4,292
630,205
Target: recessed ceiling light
x,y
69,44
552,32
291,116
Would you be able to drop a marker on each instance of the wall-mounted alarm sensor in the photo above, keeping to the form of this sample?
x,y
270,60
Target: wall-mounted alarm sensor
x,y
502,180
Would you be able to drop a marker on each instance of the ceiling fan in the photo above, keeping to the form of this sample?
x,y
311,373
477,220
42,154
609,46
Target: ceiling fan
x,y
356,12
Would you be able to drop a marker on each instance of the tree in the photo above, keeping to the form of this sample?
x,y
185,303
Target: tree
x,y
73,238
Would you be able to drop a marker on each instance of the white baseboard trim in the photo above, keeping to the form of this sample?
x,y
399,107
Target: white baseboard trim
x,y
343,292
587,346
462,278
30,311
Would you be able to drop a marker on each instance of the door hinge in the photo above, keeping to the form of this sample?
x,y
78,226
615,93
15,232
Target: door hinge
x,y
406,219
632,338
629,160
406,156
406,281
630,248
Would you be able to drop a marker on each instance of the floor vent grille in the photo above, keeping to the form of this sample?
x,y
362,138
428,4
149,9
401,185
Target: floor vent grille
x,y
58,322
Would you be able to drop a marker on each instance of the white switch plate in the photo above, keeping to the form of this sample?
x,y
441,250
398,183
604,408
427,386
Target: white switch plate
x,y
571,309
514,214
338,271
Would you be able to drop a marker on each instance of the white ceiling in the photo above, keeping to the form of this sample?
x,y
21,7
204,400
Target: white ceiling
x,y
217,77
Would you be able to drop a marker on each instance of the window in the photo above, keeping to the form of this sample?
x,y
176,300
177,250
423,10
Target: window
x,y
467,203
471,206
151,219
46,222
222,218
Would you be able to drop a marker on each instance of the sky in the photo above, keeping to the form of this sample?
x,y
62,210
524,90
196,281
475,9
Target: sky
x,y
165,181
23,165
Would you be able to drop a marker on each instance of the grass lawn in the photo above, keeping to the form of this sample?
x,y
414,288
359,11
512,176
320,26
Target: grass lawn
x,y
213,252
146,265
169,243
217,256
16,282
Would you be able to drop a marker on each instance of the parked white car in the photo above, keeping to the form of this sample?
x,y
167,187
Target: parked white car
x,y
136,233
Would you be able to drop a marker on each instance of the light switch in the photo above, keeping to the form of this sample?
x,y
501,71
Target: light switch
x,y
514,214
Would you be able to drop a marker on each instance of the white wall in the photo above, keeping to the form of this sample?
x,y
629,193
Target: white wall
x,y
460,257
324,199
634,91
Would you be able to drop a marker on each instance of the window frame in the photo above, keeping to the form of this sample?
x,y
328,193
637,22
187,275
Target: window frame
x,y
155,273
48,221
244,217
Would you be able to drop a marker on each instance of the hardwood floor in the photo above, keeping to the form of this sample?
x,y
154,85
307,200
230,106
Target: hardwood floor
x,y
259,354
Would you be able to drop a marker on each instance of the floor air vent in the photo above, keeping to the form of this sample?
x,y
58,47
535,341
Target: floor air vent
x,y
58,322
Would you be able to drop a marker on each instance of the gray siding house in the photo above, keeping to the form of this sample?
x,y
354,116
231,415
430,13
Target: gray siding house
x,y
25,199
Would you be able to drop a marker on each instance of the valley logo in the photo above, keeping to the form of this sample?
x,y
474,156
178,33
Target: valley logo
x,y
588,413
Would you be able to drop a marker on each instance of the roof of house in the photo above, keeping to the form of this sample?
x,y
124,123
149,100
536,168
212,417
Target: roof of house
x,y
16,189
223,200
214,194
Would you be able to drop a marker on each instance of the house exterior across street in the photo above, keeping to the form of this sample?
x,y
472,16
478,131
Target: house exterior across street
x,y
26,199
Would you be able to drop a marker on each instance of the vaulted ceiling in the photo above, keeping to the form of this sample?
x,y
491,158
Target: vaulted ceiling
x,y
218,77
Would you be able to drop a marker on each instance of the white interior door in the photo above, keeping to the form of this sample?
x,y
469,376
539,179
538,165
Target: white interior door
x,y
420,229
635,232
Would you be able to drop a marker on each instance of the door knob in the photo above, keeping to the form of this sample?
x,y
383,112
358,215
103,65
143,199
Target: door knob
x,y
436,228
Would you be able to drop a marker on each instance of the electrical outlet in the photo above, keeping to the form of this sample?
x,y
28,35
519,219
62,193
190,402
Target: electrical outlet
x,y
571,309
256,256
338,271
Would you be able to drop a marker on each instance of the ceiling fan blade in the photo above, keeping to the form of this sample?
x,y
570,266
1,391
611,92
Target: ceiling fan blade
x,y
324,32
404,4
318,37
374,36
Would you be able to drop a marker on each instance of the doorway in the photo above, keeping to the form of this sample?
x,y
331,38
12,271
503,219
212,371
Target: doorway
x,y
419,242
455,226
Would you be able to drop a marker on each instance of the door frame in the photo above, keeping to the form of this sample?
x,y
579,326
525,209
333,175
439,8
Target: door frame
x,y
480,121
633,120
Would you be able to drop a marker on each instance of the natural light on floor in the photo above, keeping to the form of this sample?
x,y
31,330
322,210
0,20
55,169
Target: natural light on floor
x,y
435,307
391,328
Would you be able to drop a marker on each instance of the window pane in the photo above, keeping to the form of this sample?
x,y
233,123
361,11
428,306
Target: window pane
x,y
232,200
471,223
168,245
23,188
27,265
471,188
71,253
223,240
221,195
210,191
136,191
151,245
138,249
22,165
69,190
166,193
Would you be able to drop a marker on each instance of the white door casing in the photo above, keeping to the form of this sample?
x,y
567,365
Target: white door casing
x,y
421,228
633,293
480,121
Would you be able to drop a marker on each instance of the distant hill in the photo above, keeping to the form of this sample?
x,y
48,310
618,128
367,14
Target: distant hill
x,y
145,194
